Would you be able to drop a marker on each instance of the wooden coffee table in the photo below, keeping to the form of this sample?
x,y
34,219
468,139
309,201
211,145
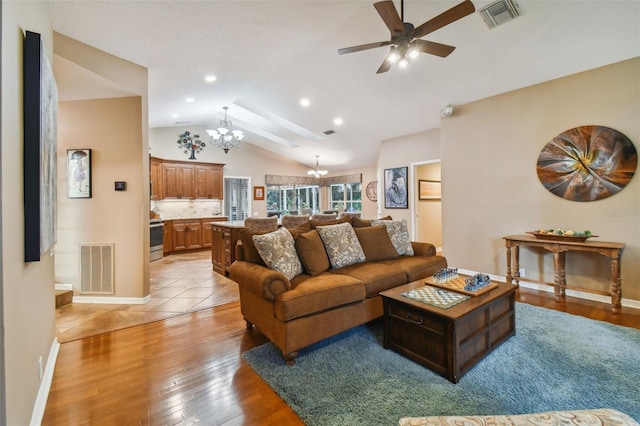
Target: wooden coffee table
x,y
448,341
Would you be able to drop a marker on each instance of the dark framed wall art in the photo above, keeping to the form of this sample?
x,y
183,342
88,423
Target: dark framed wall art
x,y
429,190
396,188
79,173
258,192
40,149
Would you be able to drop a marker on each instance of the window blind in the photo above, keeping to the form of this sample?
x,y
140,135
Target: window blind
x,y
236,198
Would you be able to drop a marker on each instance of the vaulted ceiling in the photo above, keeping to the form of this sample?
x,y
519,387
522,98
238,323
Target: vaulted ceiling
x,y
267,55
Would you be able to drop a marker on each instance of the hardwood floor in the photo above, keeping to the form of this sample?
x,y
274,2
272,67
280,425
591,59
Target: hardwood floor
x,y
188,369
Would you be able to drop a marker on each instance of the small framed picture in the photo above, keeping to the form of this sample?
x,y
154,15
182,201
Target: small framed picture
x,y
429,190
258,192
395,188
79,173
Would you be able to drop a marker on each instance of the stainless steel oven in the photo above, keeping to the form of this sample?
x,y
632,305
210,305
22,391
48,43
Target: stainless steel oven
x,y
156,233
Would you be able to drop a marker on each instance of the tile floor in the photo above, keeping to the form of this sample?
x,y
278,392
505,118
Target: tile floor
x,y
180,283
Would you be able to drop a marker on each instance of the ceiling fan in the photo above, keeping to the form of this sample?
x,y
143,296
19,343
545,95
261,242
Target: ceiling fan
x,y
406,43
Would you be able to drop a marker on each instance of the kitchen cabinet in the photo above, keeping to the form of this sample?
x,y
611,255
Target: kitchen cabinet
x,y
208,181
177,180
187,234
182,180
225,236
167,237
155,178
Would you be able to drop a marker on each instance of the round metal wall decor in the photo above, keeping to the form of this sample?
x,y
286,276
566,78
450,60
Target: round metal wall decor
x,y
587,163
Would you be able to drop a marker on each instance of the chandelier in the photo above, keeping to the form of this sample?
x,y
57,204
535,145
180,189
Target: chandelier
x,y
188,143
317,172
223,137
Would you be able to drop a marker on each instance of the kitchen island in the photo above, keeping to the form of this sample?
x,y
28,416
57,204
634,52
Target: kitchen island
x,y
224,236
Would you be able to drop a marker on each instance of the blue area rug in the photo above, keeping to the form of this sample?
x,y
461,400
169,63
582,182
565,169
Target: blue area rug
x,y
556,361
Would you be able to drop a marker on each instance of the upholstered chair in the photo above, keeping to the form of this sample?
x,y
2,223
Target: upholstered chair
x,y
349,214
262,223
322,216
306,211
292,220
330,212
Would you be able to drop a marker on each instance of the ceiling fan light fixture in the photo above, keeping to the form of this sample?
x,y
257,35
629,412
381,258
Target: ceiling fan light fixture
x,y
413,53
403,63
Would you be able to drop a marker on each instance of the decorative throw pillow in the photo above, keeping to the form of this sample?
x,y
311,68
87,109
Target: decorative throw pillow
x,y
342,245
376,243
311,251
278,251
398,234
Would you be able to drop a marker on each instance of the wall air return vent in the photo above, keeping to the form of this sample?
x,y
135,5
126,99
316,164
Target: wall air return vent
x,y
499,12
96,268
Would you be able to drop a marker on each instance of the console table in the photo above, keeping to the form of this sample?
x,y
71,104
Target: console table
x,y
612,250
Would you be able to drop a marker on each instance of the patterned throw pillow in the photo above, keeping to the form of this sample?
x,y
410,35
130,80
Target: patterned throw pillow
x,y
278,251
342,245
398,234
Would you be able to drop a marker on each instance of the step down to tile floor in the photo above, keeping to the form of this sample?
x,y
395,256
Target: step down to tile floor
x,y
63,297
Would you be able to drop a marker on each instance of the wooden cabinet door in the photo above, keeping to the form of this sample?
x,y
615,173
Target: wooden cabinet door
x,y
208,181
155,178
187,234
206,233
218,249
167,237
179,235
177,180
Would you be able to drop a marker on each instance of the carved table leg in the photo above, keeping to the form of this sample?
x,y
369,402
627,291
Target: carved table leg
x,y
616,284
509,277
560,282
290,358
516,268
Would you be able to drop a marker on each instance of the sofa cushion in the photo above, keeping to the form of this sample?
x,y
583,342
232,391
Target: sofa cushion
x,y
323,292
249,247
398,234
376,276
356,222
315,223
311,251
341,244
376,243
278,252
417,267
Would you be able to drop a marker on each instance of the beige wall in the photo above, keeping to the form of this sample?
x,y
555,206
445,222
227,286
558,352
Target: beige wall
x,y
405,151
111,128
27,288
116,129
491,188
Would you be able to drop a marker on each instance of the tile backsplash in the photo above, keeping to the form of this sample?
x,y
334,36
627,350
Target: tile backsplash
x,y
185,209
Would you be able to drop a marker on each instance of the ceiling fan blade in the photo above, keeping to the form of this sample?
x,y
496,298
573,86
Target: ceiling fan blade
x,y
386,66
433,48
456,12
389,15
352,49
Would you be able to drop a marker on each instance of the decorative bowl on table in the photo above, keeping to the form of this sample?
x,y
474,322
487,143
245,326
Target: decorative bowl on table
x,y
559,235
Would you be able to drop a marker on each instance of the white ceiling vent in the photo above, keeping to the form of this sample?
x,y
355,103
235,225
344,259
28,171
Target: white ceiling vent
x,y
499,12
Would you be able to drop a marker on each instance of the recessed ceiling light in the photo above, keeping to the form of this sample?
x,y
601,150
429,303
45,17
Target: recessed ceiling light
x,y
175,115
337,121
210,78
189,99
305,102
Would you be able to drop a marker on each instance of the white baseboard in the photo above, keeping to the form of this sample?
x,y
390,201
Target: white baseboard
x,y
64,287
629,303
45,385
112,300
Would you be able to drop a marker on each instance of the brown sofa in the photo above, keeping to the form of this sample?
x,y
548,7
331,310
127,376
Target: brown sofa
x,y
324,300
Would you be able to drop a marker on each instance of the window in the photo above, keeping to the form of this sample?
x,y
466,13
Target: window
x,y
292,199
346,197
236,198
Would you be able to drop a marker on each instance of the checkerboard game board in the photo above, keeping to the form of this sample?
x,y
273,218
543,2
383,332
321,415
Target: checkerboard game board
x,y
438,297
